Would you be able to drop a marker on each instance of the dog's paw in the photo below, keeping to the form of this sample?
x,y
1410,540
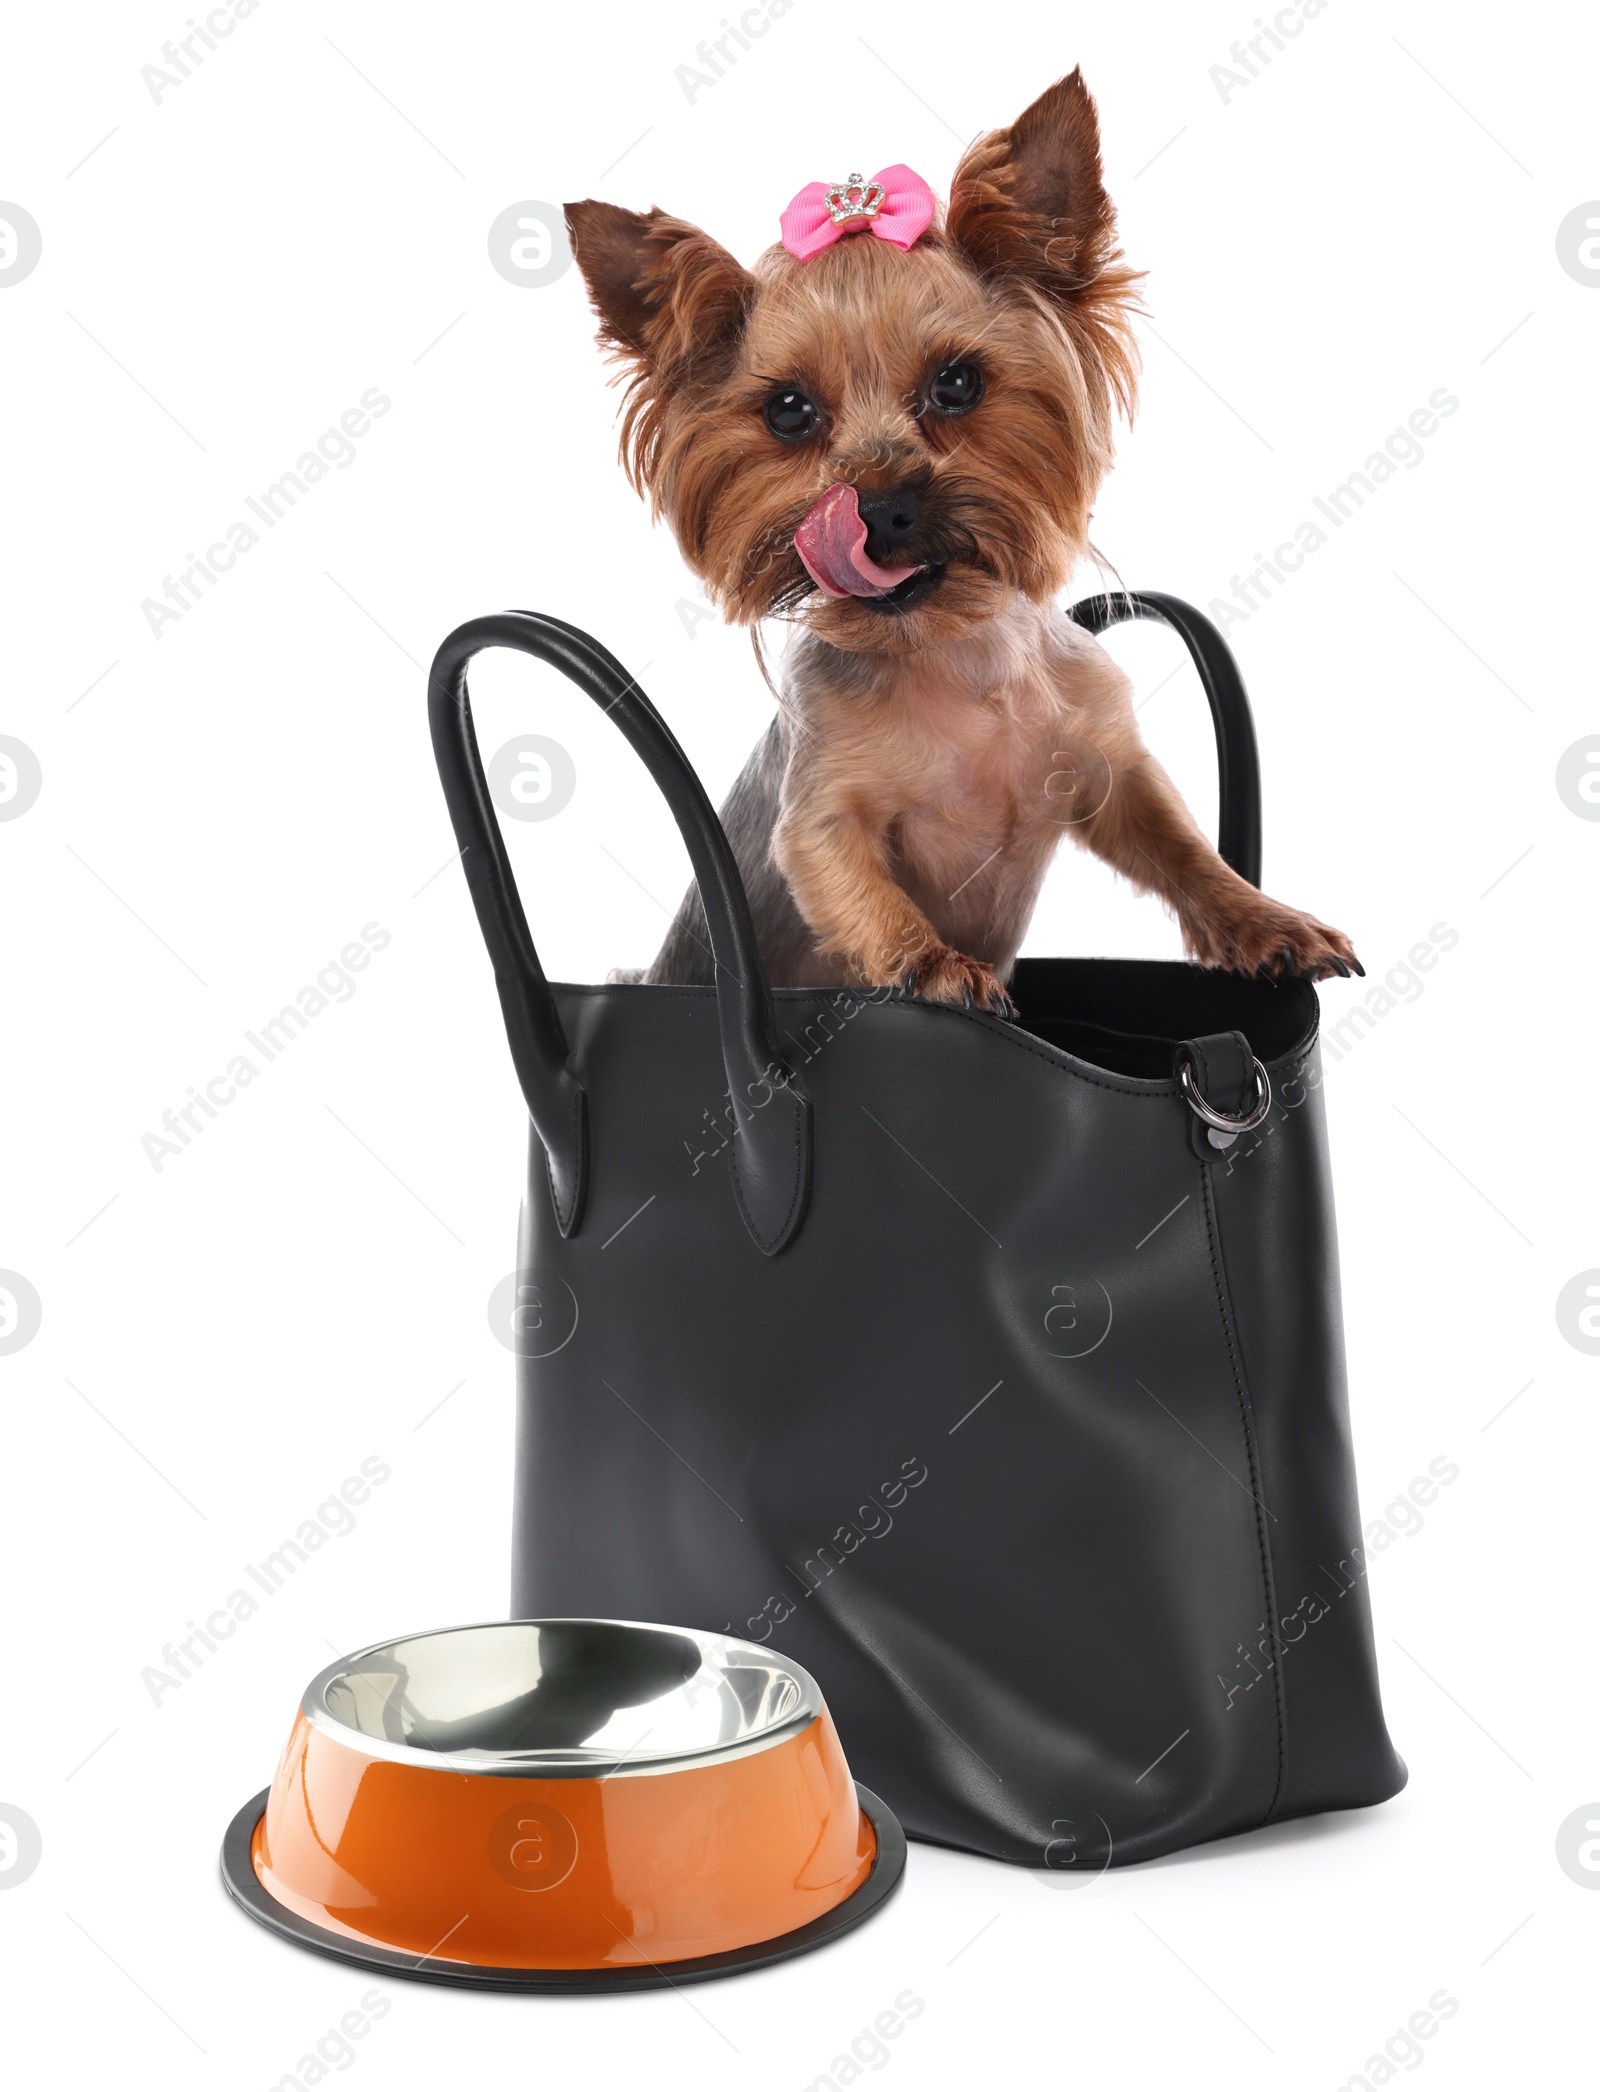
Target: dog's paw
x,y
1269,939
942,974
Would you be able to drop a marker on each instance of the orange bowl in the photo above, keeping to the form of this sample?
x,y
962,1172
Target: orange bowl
x,y
563,1804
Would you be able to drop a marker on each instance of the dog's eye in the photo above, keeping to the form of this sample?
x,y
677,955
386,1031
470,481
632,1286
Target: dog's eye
x,y
956,388
791,415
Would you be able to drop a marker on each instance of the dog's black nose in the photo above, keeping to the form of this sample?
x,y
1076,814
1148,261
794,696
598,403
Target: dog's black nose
x,y
891,521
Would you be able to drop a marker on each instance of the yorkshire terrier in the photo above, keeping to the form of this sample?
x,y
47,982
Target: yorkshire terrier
x,y
892,431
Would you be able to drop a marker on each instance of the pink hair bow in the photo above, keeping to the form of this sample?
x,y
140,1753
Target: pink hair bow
x,y
896,204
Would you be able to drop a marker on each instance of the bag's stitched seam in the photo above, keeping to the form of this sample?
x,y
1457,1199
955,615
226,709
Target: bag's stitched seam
x,y
1268,1584
800,1175
565,1217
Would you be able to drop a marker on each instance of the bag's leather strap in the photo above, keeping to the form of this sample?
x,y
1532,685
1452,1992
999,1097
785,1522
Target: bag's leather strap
x,y
1238,770
772,1156
1224,1071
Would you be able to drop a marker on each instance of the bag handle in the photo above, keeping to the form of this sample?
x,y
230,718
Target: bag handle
x,y
1238,767
771,1159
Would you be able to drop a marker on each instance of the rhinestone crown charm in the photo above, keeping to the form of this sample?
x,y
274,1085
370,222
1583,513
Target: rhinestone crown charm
x,y
855,199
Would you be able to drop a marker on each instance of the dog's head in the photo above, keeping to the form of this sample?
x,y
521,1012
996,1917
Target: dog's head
x,y
958,393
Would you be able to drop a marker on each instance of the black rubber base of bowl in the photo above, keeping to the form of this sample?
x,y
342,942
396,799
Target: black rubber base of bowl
x,y
242,1883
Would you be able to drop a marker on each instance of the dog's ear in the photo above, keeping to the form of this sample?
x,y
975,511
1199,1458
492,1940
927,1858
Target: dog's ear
x,y
1029,205
671,304
665,294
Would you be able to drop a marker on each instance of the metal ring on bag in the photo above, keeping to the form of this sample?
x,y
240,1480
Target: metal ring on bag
x,y
1220,1119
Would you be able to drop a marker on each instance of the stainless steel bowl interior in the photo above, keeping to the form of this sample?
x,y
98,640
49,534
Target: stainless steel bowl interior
x,y
562,1699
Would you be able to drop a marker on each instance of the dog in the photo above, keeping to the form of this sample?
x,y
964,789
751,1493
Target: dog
x,y
891,432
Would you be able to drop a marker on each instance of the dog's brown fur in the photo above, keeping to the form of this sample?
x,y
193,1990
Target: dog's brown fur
x,y
895,824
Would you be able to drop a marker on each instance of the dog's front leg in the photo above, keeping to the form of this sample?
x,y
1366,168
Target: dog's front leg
x,y
837,864
1145,831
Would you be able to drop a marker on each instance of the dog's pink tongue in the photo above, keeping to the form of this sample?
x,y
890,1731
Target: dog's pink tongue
x,y
832,543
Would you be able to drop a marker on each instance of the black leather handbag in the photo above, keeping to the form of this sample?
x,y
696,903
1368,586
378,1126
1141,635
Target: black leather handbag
x,y
993,1370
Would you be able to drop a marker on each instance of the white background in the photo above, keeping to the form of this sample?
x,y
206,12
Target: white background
x,y
223,808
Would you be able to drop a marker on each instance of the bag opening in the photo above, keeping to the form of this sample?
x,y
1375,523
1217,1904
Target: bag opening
x,y
1126,1015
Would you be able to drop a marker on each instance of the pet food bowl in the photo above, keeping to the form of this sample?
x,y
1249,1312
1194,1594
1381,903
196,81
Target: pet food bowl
x,y
563,1805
